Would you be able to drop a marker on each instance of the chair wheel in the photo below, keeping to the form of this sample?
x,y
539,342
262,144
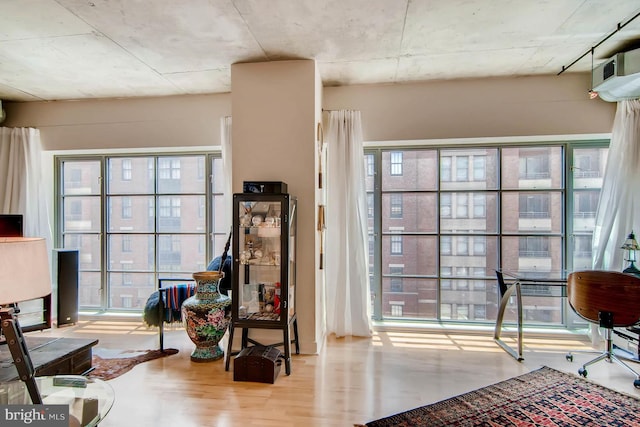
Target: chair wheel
x,y
636,383
569,357
582,371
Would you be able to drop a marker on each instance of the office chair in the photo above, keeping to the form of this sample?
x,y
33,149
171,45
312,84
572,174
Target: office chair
x,y
609,299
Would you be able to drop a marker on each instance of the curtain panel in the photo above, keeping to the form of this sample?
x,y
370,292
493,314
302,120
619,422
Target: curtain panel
x,y
348,306
22,188
618,210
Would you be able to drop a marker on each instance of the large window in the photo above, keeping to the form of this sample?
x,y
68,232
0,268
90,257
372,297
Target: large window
x,y
152,219
455,215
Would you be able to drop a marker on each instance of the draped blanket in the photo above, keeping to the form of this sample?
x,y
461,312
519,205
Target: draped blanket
x,y
172,299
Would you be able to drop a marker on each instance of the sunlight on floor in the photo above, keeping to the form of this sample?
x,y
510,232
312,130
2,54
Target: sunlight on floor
x,y
478,343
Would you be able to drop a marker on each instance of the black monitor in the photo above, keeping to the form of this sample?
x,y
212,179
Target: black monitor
x,y
11,225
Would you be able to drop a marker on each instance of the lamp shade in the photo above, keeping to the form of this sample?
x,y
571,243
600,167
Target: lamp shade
x,y
631,244
24,269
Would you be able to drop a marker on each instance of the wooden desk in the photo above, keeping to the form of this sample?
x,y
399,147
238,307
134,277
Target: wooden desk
x,y
51,356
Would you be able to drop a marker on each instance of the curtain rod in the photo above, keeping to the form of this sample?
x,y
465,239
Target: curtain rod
x,y
590,51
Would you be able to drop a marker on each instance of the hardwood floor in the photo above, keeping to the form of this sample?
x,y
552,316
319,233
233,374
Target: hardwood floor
x,y
353,380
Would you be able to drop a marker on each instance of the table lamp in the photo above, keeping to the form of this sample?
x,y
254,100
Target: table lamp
x,y
24,275
631,245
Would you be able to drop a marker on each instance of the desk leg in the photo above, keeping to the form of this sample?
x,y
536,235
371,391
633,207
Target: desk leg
x,y
518,355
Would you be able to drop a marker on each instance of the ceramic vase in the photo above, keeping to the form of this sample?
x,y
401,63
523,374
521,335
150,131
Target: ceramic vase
x,y
206,316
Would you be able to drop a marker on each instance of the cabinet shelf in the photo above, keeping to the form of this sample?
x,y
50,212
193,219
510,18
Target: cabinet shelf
x,y
263,288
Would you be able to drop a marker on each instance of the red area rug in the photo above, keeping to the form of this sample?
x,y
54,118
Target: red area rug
x,y
109,368
544,397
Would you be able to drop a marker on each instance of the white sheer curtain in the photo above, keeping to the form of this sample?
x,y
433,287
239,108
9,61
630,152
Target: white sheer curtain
x,y
348,309
22,186
619,205
225,141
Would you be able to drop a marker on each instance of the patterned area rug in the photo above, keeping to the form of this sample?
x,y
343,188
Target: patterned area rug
x,y
107,368
544,397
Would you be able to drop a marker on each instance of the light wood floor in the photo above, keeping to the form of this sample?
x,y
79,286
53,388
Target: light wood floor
x,y
353,380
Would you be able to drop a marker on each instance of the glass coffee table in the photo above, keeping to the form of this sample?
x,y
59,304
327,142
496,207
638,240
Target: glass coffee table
x,y
89,399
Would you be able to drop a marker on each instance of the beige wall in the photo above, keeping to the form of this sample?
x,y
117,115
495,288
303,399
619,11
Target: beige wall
x,y
274,110
176,121
522,106
551,105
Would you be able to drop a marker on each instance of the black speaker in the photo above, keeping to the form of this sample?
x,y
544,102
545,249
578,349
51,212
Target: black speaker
x,y
65,283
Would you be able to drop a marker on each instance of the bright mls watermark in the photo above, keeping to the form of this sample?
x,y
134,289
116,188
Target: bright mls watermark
x,y
34,415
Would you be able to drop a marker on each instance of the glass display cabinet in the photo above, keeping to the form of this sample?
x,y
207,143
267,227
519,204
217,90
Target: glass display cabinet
x,y
264,269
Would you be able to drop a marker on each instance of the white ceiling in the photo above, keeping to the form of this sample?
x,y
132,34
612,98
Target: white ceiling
x,y
75,49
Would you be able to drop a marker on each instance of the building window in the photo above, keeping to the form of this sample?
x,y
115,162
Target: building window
x,y
396,310
369,166
479,245
462,168
534,247
445,245
534,205
534,164
462,247
127,208
445,205
462,205
370,205
126,170
396,205
479,206
168,168
462,312
479,168
126,243
396,163
396,244
585,204
445,168
395,279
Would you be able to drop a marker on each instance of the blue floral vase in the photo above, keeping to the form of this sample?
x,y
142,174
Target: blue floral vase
x,y
206,316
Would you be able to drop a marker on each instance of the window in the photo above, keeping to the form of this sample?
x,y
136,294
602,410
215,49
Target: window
x,y
445,168
126,243
396,245
369,166
467,210
479,206
585,204
462,245
396,205
396,163
445,245
534,164
445,205
462,168
396,310
126,170
462,312
462,209
396,279
445,272
370,205
155,217
479,245
126,208
534,247
534,205
479,165
168,168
